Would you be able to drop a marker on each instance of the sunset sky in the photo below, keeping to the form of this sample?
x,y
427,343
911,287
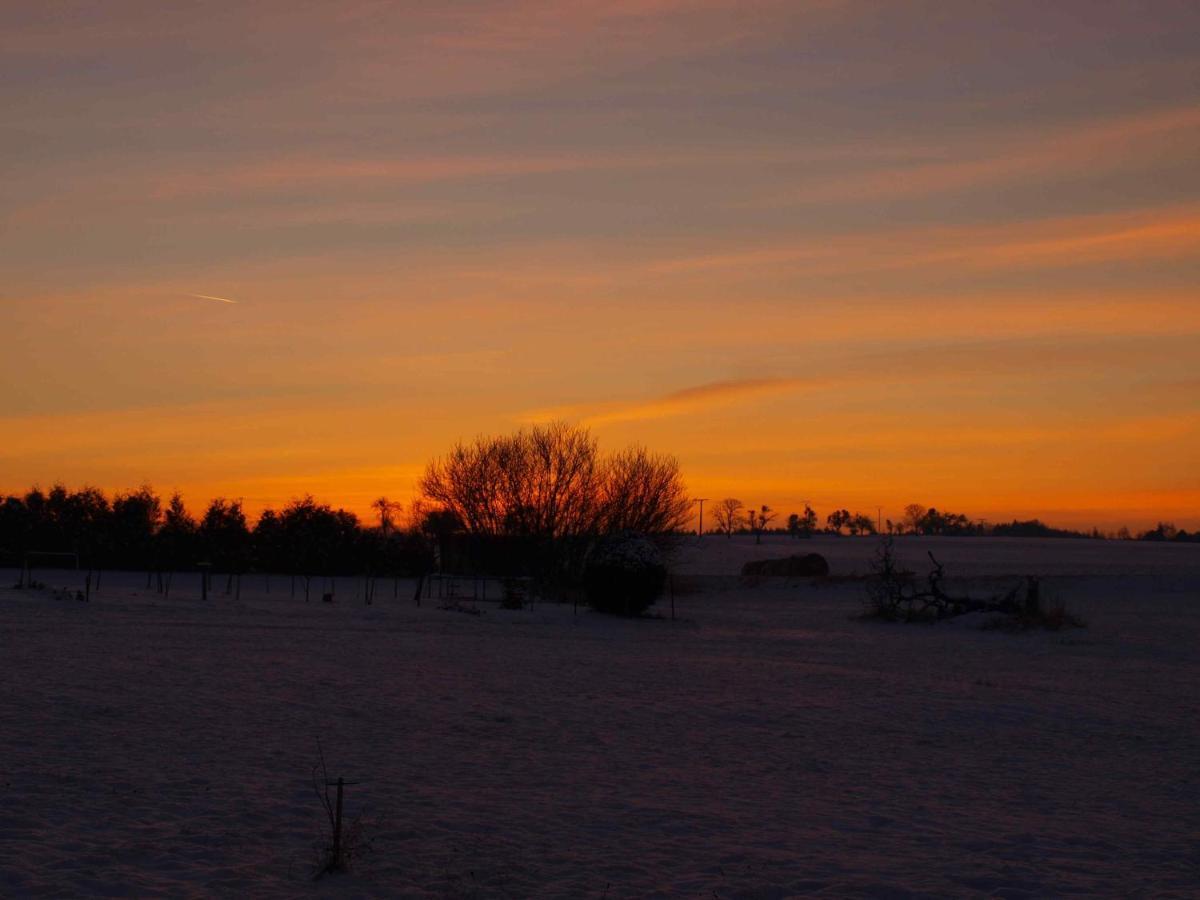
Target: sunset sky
x,y
859,253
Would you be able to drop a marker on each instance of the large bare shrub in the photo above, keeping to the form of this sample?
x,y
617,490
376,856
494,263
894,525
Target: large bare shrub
x,y
551,481
642,491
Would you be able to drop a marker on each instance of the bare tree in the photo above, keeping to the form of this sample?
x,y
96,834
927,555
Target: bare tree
x,y
914,516
386,509
642,491
838,519
793,525
465,482
808,522
536,482
861,523
729,514
551,481
760,521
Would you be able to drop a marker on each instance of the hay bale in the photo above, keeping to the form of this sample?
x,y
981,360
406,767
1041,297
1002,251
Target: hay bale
x,y
808,565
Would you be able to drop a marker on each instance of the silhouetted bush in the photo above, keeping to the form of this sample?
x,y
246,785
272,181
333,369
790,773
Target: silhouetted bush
x,y
624,575
513,593
1034,528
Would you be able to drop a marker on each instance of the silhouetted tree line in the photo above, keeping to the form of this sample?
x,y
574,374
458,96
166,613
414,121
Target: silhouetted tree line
x,y
134,530
732,517
544,493
531,499
1166,531
1037,528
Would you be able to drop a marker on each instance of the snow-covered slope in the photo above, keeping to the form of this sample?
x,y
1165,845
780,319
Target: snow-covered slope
x,y
763,745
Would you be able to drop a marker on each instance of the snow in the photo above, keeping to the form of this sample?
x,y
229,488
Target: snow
x,y
765,744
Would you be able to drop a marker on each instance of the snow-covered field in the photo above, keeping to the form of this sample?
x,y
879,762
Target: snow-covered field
x,y
763,745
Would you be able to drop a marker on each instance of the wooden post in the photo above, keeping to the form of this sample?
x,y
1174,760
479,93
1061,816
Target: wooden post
x,y
1033,599
87,586
337,827
336,862
420,586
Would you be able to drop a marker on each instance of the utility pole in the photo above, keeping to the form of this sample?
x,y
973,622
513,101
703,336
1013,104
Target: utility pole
x,y
700,500
879,520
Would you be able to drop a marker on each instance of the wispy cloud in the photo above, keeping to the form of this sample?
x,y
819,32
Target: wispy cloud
x,y
942,365
1090,147
684,401
211,297
1141,234
308,172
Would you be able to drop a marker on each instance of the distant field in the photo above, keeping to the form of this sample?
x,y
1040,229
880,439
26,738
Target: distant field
x,y
717,555
763,745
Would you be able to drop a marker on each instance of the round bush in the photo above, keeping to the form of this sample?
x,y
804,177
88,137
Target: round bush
x,y
624,575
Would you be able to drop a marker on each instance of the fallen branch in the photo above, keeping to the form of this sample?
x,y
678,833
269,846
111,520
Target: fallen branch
x,y
893,594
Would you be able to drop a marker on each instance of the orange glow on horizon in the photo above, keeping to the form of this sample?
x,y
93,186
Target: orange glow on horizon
x,y
820,250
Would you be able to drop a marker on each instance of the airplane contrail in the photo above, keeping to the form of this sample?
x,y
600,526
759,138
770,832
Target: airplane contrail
x,y
211,297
